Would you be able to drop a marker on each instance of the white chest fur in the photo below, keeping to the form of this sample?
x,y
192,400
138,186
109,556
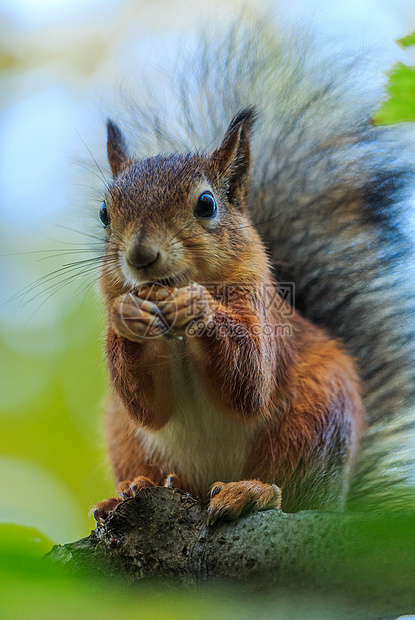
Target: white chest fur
x,y
199,443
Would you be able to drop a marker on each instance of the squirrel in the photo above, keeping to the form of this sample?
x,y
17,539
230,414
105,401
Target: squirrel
x,y
221,385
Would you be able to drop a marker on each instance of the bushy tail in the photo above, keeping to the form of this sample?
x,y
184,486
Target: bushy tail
x,y
330,198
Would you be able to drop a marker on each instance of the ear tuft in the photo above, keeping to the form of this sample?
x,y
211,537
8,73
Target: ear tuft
x,y
232,159
116,147
245,118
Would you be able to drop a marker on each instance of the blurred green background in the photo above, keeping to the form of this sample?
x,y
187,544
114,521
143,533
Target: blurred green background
x,y
60,63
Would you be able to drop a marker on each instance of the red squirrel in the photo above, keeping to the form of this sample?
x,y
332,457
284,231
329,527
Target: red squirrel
x,y
218,385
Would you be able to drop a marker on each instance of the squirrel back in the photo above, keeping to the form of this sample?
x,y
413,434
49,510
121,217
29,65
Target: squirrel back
x,y
329,196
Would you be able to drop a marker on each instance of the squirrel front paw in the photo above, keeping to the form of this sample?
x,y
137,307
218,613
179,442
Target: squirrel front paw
x,y
159,311
184,306
230,500
137,319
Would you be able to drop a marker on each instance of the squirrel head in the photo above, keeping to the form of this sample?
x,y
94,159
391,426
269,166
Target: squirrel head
x,y
180,218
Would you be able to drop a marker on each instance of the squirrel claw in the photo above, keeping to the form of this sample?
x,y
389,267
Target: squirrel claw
x,y
216,488
126,489
102,510
215,513
130,488
172,482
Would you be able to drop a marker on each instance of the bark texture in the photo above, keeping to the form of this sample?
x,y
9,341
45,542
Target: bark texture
x,y
163,533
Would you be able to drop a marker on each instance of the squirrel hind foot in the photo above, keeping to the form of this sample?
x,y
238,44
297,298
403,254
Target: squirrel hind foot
x,y
130,488
228,501
125,489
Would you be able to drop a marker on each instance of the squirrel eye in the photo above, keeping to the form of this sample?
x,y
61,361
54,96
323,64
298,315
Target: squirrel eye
x,y
103,214
206,205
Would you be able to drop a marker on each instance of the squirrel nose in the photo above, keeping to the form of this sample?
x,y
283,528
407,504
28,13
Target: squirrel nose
x,y
141,256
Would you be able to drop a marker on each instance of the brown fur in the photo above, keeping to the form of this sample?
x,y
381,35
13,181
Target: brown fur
x,y
298,393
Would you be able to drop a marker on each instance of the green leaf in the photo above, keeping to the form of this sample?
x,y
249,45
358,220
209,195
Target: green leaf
x,y
399,107
17,539
407,41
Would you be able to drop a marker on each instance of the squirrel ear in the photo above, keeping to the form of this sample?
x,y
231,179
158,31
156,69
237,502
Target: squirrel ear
x,y
116,147
232,159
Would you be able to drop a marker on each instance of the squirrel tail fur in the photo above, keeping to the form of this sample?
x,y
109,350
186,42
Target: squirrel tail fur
x,y
330,197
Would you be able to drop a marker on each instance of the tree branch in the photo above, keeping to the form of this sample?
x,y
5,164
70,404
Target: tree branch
x,y
163,533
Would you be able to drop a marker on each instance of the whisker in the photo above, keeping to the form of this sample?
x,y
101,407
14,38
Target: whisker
x,y
255,224
58,285
75,269
62,252
238,257
178,232
91,171
87,285
91,188
107,184
79,232
90,260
